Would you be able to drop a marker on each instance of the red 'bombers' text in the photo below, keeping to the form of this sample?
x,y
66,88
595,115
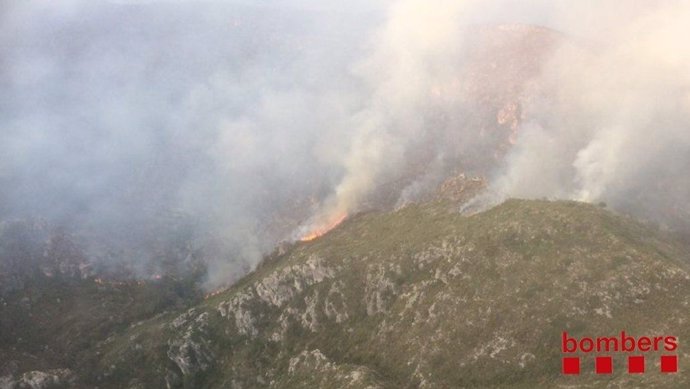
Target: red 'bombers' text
x,y
622,343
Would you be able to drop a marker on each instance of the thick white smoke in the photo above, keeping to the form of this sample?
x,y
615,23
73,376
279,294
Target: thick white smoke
x,y
416,49
119,119
612,121
258,123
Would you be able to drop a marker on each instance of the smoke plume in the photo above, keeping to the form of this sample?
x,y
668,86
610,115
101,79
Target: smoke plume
x,y
238,124
608,118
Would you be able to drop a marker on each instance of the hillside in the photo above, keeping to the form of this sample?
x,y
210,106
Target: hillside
x,y
422,297
400,194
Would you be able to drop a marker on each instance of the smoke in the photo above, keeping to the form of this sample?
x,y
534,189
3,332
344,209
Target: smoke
x,y
610,118
413,51
234,125
125,120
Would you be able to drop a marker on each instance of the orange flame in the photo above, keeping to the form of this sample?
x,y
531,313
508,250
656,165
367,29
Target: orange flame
x,y
323,229
214,293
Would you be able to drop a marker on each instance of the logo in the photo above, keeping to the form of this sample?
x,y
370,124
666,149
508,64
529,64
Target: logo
x,y
604,347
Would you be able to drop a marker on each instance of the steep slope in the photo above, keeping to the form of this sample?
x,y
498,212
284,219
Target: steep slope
x,y
424,297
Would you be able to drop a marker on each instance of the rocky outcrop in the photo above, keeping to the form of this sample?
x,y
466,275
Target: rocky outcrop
x,y
49,379
315,370
190,350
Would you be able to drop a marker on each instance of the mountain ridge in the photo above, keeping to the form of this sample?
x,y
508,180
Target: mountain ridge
x,y
423,297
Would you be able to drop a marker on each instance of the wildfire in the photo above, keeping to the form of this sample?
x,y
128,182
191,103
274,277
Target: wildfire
x,y
214,293
103,281
323,229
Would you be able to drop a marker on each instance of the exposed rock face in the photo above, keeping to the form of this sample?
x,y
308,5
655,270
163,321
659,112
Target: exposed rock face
x,y
50,379
191,351
315,370
460,189
424,298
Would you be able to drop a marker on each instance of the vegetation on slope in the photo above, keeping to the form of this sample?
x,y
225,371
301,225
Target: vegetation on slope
x,y
423,297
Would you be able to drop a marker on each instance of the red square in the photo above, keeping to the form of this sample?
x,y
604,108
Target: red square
x,y
669,363
571,365
636,364
603,365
